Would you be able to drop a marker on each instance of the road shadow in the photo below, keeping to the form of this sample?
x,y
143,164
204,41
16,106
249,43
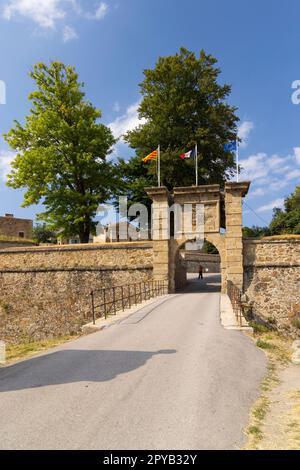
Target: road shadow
x,y
71,366
209,283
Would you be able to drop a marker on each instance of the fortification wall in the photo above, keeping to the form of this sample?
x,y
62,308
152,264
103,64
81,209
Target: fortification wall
x,y
45,291
272,280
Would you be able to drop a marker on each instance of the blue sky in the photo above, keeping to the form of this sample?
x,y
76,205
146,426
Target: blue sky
x,y
111,42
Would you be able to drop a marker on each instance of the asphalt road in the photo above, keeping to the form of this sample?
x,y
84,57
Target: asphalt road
x,y
167,377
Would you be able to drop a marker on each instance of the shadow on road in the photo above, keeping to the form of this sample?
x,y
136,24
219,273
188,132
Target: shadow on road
x,y
70,366
210,283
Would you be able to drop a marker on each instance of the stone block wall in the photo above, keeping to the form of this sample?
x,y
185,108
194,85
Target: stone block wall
x,y
45,292
11,226
234,192
272,280
210,262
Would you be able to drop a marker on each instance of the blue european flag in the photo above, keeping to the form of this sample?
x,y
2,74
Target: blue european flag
x,y
230,147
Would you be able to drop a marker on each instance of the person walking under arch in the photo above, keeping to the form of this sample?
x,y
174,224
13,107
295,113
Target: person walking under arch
x,y
200,272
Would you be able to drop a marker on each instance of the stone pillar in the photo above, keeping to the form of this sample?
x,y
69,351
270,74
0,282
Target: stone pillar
x,y
160,233
234,192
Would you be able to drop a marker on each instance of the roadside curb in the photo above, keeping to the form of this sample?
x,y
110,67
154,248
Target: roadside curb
x,y
228,318
103,323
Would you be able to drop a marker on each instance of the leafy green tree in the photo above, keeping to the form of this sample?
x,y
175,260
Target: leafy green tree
x,y
209,248
43,234
287,220
61,152
183,104
255,232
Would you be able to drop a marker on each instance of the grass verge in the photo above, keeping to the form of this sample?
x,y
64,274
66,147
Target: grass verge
x,y
16,352
293,426
278,351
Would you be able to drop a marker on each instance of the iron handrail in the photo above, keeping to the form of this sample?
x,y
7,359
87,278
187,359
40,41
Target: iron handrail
x,y
130,294
235,296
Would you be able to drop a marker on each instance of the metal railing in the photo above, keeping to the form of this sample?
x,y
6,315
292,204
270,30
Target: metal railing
x,y
235,296
109,300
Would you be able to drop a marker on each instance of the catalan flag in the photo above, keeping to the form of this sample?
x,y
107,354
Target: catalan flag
x,y
155,155
151,156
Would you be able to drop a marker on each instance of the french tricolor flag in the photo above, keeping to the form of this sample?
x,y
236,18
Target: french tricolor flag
x,y
190,154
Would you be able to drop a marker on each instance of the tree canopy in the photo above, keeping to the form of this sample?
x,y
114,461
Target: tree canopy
x,y
255,231
284,221
182,105
287,220
61,152
43,234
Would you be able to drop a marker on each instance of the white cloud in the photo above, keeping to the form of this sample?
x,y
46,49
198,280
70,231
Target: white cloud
x,y
291,175
69,34
258,192
116,107
271,169
254,166
6,157
45,13
297,154
244,131
100,12
271,205
48,14
127,122
271,174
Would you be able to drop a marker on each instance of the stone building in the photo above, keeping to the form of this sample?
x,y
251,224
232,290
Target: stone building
x,y
118,232
11,226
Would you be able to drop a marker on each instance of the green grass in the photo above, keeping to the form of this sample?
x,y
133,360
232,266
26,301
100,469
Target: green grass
x,y
277,349
264,344
15,352
259,327
255,431
261,410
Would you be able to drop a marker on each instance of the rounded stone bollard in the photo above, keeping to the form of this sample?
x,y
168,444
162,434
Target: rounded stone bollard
x,y
296,353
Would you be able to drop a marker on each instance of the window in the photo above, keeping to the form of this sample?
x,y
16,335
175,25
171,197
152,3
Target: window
x,y
21,234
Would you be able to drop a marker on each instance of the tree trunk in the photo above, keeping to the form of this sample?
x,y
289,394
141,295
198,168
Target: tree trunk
x,y
85,237
84,234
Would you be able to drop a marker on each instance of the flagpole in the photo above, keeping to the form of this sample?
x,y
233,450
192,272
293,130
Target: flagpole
x,y
158,162
196,150
237,161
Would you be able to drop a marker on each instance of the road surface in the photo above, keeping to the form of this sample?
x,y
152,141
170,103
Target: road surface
x,y
167,377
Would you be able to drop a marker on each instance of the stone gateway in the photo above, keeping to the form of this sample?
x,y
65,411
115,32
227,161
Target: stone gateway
x,y
45,291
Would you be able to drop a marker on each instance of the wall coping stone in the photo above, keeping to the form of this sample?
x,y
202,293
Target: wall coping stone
x,y
77,269
78,247
270,242
271,265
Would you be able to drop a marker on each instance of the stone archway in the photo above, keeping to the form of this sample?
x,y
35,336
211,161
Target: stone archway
x,y
177,275
221,210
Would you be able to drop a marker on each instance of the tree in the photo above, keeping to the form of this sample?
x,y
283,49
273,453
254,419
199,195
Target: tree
x,y
255,232
43,234
287,220
209,248
61,152
183,104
